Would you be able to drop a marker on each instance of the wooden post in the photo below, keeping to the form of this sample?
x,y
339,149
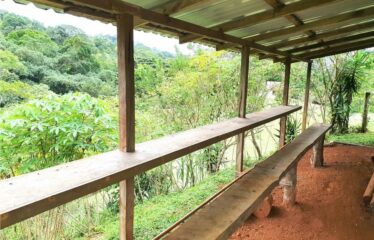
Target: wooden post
x,y
317,158
288,183
306,96
365,113
286,86
125,48
242,107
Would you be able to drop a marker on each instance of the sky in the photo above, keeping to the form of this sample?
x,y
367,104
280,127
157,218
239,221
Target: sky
x,y
50,18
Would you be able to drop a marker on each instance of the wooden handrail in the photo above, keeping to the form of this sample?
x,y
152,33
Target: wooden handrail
x,y
30,194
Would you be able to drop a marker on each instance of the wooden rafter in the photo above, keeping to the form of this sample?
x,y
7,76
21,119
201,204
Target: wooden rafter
x,y
174,7
340,49
334,41
320,36
315,24
119,7
293,18
257,18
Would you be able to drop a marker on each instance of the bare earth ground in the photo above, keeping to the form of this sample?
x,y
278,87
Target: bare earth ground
x,y
329,201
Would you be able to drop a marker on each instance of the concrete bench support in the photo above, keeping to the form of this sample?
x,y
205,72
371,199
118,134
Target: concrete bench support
x,y
317,158
288,183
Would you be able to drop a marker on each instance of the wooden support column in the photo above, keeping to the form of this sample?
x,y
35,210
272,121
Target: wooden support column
x,y
242,107
125,48
286,86
288,183
365,113
306,96
317,158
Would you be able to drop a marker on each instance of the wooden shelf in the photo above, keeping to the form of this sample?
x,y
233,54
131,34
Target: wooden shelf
x,y
27,195
238,202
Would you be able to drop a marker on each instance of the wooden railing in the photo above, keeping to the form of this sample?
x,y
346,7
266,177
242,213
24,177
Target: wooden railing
x,y
30,194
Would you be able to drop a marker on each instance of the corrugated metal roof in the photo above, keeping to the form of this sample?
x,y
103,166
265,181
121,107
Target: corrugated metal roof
x,y
209,13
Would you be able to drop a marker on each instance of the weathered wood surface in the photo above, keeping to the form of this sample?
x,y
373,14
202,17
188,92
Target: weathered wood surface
x,y
265,207
126,92
30,194
244,67
286,90
220,218
369,191
306,96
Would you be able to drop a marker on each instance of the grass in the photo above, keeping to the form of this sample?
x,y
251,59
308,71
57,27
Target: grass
x,y
354,138
160,212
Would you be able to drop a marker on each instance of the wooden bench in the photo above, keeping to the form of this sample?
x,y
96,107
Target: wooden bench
x,y
219,218
27,195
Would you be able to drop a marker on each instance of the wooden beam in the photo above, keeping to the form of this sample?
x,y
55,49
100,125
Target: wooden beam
x,y
340,49
173,8
224,214
126,92
118,6
334,41
244,66
321,36
27,195
293,18
286,86
314,24
264,16
306,96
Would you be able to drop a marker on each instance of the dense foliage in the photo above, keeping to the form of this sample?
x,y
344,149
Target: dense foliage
x,y
58,103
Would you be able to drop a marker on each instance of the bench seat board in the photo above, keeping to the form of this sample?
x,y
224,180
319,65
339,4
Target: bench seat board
x,y
219,218
27,195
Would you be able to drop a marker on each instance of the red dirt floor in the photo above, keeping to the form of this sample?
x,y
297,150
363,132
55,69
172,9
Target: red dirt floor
x,y
329,201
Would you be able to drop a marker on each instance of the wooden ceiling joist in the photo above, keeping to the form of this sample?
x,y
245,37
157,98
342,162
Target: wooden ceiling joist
x,y
315,24
257,18
338,49
334,41
118,7
320,36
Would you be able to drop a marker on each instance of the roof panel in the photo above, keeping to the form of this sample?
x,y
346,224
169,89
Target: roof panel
x,y
224,11
332,9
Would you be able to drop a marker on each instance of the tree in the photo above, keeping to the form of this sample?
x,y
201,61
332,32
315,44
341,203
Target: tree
x,y
339,77
33,40
10,66
77,56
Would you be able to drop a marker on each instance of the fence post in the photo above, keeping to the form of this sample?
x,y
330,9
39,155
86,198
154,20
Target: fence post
x,y
126,92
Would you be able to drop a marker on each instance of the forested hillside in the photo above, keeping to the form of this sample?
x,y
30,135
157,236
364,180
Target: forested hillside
x,y
58,103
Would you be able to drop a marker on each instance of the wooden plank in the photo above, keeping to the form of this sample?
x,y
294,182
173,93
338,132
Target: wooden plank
x,y
264,16
243,197
286,87
315,24
126,92
244,66
27,195
119,7
306,96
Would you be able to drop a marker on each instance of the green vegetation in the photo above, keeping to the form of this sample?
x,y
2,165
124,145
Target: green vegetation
x,y
58,103
354,138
